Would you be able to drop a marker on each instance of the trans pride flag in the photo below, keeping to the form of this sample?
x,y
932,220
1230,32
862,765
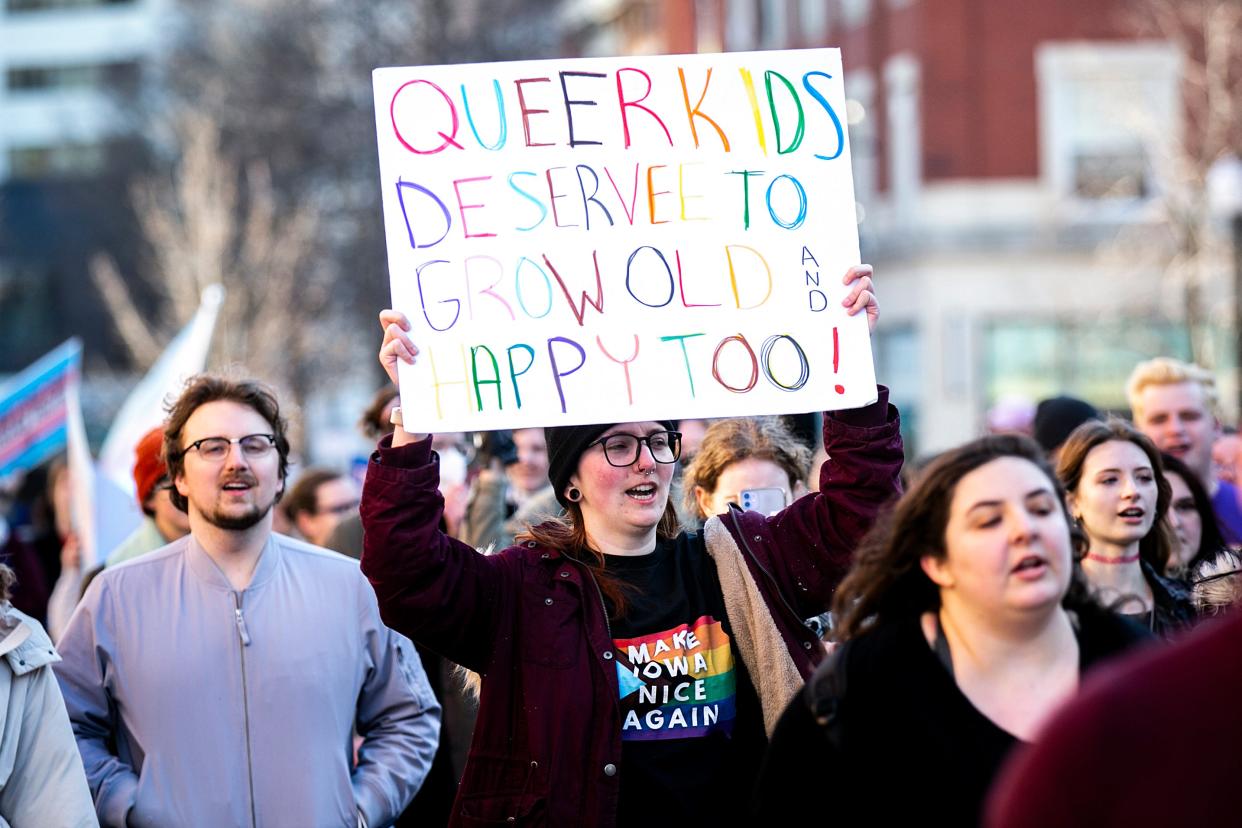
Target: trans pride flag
x,y
34,410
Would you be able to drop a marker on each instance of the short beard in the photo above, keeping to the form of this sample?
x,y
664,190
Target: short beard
x,y
237,523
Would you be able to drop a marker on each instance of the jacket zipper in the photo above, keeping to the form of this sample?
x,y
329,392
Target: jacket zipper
x,y
244,636
602,605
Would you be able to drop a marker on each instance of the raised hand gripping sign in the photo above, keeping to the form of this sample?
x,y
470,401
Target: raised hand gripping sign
x,y
606,240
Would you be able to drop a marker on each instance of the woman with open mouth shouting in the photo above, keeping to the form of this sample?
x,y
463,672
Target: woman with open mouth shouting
x,y
631,672
1118,494
961,627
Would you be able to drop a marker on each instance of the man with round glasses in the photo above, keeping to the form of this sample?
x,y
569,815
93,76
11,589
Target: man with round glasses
x,y
220,680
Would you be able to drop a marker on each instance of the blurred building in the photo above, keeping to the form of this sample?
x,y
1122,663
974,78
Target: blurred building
x,y
1008,163
61,62
63,192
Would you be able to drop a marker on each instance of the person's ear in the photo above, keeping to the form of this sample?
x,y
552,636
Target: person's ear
x,y
1071,504
799,489
704,500
937,571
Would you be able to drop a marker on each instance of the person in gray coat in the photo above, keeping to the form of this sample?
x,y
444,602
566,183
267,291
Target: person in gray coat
x,y
41,778
221,680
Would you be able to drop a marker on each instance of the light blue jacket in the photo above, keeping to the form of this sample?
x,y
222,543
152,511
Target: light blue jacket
x,y
41,779
197,704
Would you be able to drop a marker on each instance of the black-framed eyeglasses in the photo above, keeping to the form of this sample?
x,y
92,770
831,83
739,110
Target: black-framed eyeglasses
x,y
253,446
624,449
338,509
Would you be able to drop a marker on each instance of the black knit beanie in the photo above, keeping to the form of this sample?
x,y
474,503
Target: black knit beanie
x,y
1057,417
566,444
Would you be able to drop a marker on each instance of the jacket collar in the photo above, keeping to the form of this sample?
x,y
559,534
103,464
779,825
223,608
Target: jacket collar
x,y
23,642
206,570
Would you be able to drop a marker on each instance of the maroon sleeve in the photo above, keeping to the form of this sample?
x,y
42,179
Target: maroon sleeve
x,y
430,587
815,537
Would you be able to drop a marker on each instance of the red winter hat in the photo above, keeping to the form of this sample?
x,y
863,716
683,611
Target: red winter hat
x,y
149,465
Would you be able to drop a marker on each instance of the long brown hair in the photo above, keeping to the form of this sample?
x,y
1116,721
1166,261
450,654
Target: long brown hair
x,y
886,582
568,536
1157,546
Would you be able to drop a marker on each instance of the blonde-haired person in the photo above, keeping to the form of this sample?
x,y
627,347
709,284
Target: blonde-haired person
x,y
744,453
1174,404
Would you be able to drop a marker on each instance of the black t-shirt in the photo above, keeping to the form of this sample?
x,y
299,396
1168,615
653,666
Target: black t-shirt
x,y
910,748
691,726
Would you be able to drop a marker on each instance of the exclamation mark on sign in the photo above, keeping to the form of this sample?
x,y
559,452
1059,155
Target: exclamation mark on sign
x,y
836,358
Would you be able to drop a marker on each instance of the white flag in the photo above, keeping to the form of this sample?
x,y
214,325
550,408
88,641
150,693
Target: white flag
x,y
143,410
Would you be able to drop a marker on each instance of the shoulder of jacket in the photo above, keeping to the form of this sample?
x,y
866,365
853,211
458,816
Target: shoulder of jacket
x,y
25,644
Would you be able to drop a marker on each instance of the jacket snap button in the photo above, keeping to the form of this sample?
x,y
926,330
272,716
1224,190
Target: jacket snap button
x,y
758,537
545,556
608,655
565,573
531,545
610,769
806,645
548,601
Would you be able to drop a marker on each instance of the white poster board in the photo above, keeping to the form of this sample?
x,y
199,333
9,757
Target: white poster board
x,y
609,240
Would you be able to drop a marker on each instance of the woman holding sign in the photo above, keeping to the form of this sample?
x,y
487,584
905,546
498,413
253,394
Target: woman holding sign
x,y
631,673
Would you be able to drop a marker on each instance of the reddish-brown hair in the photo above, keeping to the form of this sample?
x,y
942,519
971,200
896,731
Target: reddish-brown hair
x,y
568,536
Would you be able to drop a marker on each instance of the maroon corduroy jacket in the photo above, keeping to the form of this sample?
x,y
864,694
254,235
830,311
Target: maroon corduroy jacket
x,y
547,744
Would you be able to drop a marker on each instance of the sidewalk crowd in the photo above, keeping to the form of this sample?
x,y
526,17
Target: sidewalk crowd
x,y
638,623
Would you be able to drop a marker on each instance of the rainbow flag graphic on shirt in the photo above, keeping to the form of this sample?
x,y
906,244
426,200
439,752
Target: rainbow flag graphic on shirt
x,y
677,684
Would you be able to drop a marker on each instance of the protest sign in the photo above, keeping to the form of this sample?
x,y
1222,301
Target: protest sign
x,y
604,240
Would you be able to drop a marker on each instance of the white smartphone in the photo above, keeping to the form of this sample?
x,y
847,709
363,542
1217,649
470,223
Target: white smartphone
x,y
767,501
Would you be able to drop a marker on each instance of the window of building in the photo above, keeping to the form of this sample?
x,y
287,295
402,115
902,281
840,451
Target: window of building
x,y
1106,113
83,76
904,135
899,365
58,161
861,121
855,13
741,24
813,20
40,5
1090,359
773,24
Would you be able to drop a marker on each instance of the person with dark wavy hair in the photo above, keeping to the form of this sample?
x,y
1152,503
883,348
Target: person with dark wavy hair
x,y
1118,495
222,679
962,625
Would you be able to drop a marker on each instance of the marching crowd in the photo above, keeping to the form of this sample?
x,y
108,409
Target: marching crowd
x,y
639,623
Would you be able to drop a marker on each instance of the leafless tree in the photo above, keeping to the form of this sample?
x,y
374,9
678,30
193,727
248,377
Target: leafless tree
x,y
1207,35
267,180
210,222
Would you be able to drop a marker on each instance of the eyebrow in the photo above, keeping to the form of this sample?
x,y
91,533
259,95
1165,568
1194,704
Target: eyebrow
x,y
982,504
655,430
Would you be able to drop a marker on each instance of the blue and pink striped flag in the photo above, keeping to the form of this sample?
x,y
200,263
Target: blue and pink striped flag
x,y
34,410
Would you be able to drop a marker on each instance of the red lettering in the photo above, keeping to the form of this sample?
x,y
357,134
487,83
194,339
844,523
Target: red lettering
x,y
527,111
625,121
